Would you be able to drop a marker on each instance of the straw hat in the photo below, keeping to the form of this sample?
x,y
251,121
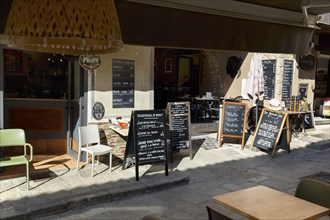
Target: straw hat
x,y
275,104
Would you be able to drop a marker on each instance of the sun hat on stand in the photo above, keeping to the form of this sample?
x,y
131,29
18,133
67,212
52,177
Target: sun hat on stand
x,y
274,104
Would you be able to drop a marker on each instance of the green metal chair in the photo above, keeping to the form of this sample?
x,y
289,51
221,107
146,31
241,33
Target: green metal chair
x,y
314,191
15,138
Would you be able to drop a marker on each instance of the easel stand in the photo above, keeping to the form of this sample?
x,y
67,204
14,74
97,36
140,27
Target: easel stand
x,y
269,130
233,122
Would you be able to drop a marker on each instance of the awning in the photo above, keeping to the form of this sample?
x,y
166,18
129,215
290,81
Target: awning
x,y
152,25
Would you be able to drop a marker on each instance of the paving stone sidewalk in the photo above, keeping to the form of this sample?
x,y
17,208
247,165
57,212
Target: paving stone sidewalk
x,y
69,189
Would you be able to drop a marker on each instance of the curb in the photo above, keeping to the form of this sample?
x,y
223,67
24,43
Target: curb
x,y
98,197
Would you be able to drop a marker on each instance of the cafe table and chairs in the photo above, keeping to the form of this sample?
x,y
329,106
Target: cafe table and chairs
x,y
261,202
206,105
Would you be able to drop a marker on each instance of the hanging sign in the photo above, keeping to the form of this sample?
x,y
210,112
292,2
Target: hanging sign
x,y
90,62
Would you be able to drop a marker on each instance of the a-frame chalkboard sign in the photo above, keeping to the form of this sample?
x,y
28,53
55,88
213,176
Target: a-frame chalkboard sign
x,y
233,121
269,131
179,126
147,139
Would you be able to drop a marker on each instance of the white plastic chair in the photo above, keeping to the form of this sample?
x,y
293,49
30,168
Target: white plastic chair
x,y
90,135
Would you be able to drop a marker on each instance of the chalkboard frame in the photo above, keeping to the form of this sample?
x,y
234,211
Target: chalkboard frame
x,y
171,119
221,128
285,122
133,138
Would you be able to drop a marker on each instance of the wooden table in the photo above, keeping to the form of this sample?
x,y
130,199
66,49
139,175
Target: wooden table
x,y
261,202
297,121
123,132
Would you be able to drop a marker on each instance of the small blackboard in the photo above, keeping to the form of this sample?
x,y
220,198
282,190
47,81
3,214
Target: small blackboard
x,y
307,62
287,79
180,126
233,121
309,122
122,83
269,129
147,137
303,89
269,68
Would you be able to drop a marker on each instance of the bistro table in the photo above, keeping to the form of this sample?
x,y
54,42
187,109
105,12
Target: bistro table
x,y
261,202
296,119
122,132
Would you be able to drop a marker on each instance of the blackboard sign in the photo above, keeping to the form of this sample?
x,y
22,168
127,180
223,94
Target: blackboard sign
x,y
309,122
269,128
303,89
287,79
179,123
233,121
292,104
147,135
122,83
269,68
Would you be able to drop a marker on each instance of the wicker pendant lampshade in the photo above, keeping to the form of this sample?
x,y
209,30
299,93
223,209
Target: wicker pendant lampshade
x,y
64,26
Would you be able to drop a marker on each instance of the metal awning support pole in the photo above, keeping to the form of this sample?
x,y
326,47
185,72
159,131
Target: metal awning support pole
x,y
257,112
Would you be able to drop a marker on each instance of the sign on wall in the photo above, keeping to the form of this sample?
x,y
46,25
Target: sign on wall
x,y
122,83
269,68
98,110
90,62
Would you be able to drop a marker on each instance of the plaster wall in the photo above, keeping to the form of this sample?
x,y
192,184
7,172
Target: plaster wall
x,y
215,79
101,89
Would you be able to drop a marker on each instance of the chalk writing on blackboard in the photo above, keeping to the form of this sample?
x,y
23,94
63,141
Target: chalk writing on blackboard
x,y
269,130
269,69
233,121
287,79
122,83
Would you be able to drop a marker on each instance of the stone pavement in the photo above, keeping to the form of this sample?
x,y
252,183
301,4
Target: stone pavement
x,y
212,171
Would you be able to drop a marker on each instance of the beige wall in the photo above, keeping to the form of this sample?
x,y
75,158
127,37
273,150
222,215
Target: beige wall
x,y
143,82
232,87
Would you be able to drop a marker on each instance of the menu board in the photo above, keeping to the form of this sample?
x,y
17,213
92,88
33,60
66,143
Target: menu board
x,y
179,122
122,83
287,79
309,122
233,120
147,135
303,89
269,129
150,138
269,68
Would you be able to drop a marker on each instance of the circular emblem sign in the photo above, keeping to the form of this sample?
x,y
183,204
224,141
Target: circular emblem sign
x,y
98,111
90,62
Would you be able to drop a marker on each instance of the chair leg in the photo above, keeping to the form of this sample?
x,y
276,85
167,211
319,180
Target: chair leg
x,y
92,165
27,176
79,155
110,161
98,159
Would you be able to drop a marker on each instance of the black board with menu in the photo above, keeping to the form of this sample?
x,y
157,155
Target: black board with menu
x,y
179,126
233,121
309,122
287,79
122,83
147,137
269,129
269,68
303,90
